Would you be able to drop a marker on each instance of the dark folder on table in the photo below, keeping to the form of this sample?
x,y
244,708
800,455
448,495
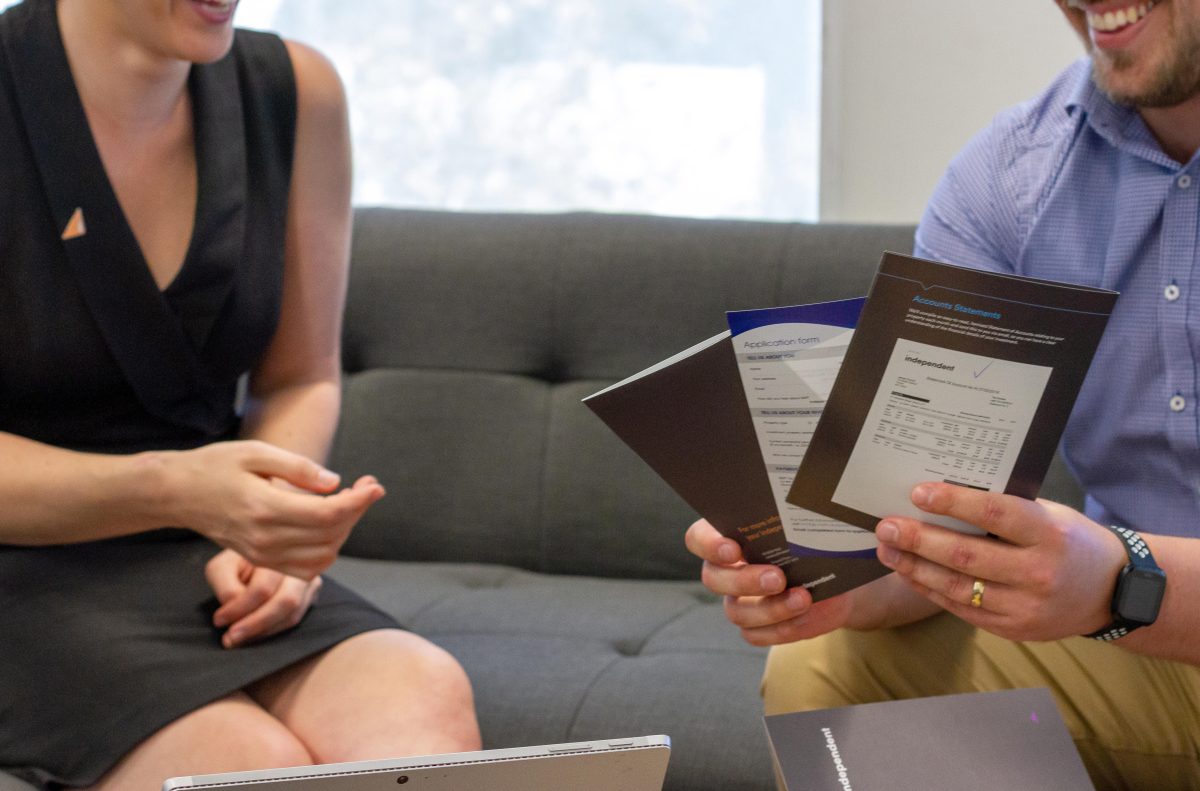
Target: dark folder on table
x,y
1013,740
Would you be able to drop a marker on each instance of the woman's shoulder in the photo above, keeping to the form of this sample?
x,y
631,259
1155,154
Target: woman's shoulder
x,y
279,64
319,89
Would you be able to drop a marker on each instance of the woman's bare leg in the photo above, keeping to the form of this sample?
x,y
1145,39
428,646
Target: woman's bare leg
x,y
380,694
229,735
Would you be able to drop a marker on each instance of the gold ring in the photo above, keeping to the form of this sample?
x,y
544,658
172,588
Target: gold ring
x,y
977,593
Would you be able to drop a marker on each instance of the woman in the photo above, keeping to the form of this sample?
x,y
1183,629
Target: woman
x,y
174,234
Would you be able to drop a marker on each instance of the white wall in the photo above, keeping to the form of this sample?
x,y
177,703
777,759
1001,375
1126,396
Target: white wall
x,y
907,82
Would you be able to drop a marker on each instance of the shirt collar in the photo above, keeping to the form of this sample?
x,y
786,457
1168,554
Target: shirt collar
x,y
1119,124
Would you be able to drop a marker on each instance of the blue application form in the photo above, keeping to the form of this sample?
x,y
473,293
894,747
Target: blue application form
x,y
788,359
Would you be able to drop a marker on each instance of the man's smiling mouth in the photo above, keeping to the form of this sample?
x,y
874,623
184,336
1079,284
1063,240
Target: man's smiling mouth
x,y
1112,21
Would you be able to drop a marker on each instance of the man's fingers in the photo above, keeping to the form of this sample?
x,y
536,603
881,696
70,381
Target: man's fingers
x,y
745,580
968,555
1015,519
706,542
810,620
952,586
752,612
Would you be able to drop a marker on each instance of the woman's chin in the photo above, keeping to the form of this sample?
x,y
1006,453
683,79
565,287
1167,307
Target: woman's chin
x,y
207,48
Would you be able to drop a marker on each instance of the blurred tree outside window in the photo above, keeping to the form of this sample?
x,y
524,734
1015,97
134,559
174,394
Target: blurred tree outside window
x,y
686,107
705,108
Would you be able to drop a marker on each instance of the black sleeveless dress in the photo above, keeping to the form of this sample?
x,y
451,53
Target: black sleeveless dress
x,y
103,643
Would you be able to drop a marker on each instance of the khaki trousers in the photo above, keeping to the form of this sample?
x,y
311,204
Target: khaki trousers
x,y
1135,720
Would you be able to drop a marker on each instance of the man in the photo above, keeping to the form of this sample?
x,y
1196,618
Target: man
x,y
1096,181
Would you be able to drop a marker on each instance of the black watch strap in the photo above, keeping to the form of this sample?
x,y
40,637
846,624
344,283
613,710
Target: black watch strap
x,y
1142,563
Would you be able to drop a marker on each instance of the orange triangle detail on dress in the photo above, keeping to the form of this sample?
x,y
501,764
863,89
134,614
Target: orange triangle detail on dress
x,y
76,227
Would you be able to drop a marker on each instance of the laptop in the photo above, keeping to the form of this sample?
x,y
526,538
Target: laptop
x,y
630,764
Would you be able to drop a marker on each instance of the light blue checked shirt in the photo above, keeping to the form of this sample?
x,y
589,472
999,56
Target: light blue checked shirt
x,y
1071,187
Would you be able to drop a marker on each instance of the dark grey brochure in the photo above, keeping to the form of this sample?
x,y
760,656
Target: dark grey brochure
x,y
953,374
1013,740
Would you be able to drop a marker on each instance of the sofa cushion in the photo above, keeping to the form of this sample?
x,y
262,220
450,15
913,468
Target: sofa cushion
x,y
562,658
471,338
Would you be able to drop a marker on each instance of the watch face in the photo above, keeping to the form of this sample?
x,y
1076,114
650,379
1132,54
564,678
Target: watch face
x,y
1140,593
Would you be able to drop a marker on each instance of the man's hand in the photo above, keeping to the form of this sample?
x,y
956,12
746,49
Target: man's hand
x,y
756,601
1047,573
255,602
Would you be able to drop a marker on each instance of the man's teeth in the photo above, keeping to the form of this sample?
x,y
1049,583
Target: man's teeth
x,y
1115,20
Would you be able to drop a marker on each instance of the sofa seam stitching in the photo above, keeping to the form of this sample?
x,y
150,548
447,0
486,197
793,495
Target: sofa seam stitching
x,y
783,255
543,472
549,406
675,619
587,693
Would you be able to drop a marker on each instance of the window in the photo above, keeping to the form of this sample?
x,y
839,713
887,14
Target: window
x,y
688,107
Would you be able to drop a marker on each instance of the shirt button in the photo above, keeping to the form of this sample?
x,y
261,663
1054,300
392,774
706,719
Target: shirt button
x,y
1177,403
1184,181
1171,292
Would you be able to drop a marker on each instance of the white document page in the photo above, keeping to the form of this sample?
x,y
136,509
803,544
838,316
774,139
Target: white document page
x,y
788,371
940,415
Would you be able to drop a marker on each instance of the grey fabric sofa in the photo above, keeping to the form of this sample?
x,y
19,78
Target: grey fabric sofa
x,y
517,531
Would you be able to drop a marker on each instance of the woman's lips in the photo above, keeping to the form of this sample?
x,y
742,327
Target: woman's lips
x,y
217,12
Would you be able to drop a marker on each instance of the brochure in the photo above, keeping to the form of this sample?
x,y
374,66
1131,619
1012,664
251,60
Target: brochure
x,y
788,359
953,374
806,423
1014,739
688,418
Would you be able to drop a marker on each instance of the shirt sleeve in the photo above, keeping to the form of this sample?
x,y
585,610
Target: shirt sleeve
x,y
970,220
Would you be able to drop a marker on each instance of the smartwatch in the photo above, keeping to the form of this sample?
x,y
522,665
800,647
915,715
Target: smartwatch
x,y
1139,591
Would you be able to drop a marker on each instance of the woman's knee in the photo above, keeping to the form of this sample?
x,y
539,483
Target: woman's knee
x,y
377,694
443,673
445,687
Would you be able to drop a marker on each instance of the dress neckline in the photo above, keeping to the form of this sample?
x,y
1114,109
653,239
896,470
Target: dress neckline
x,y
60,132
156,336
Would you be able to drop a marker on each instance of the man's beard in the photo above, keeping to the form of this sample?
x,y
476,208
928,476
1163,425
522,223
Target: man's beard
x,y
1176,80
